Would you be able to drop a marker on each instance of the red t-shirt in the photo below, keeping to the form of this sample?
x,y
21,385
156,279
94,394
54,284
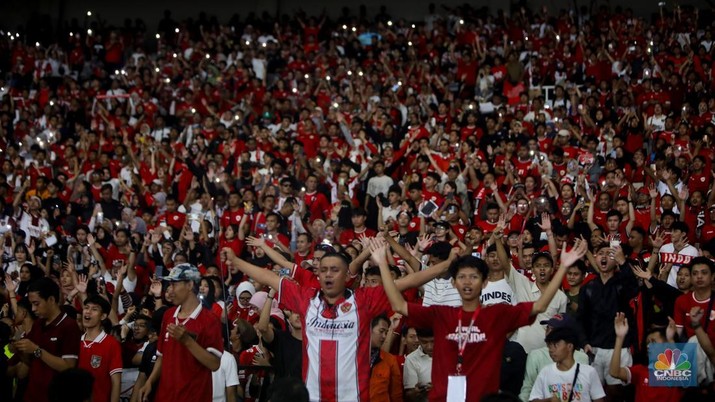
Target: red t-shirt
x,y
483,353
183,378
59,338
681,314
102,358
645,393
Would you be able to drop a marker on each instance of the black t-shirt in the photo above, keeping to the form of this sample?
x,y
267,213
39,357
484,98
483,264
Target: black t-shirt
x,y
148,359
287,354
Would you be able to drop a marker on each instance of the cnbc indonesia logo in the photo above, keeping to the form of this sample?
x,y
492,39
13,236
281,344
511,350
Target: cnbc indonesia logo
x,y
672,365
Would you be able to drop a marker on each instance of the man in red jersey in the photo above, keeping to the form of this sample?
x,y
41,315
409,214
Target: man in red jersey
x,y
470,348
336,326
189,346
52,345
99,353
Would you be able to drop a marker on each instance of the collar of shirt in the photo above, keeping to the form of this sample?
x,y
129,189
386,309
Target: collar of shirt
x,y
193,315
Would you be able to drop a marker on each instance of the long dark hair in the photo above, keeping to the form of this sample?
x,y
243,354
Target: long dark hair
x,y
208,300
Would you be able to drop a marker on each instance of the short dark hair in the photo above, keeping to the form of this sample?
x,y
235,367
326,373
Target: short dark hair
x,y
468,262
378,318
100,301
615,213
680,225
424,332
45,288
342,256
702,261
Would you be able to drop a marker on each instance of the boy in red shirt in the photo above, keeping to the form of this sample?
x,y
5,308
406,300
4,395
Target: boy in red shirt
x,y
189,347
470,347
99,353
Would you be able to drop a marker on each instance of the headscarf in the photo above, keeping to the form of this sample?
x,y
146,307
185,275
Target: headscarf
x,y
245,287
259,299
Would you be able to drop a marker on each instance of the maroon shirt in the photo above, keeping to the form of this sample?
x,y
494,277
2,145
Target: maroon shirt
x,y
60,338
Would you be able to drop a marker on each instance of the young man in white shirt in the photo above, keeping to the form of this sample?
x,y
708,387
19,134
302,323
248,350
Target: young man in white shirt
x,y
417,376
677,253
566,380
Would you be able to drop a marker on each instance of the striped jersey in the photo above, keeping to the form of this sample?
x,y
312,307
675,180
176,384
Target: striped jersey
x,y
336,340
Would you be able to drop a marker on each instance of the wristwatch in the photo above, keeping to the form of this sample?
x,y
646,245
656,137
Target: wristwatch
x,y
37,353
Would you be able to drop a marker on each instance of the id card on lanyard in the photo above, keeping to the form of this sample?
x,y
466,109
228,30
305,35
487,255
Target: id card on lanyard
x,y
457,384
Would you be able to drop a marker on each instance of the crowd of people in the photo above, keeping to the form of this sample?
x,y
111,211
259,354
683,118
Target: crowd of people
x,y
475,205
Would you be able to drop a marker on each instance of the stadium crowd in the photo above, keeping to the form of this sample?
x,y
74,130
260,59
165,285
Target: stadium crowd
x,y
211,210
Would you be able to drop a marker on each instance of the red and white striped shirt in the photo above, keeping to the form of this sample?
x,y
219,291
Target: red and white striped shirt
x,y
336,340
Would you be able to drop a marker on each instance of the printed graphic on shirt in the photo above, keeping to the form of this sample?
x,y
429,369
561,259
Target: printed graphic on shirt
x,y
470,334
562,391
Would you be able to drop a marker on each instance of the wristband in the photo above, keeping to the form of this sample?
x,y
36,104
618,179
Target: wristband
x,y
695,325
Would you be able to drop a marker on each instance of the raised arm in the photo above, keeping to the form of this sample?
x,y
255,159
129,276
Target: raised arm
x,y
397,302
260,275
264,322
621,326
568,258
419,278
270,252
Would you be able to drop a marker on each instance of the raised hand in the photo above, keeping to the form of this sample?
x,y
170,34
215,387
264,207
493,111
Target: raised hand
x,y
377,252
10,284
652,190
568,258
155,288
256,241
620,324
81,284
658,241
671,329
641,273
545,224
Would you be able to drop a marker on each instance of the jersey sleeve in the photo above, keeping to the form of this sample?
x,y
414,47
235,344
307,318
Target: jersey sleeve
x,y
291,296
69,348
519,315
419,316
115,359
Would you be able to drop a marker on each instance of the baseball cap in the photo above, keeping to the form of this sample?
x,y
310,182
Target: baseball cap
x,y
564,133
183,272
559,321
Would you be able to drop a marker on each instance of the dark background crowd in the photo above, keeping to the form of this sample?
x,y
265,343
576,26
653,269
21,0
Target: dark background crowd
x,y
126,150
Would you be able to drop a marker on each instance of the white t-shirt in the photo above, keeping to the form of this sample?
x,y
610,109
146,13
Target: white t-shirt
x,y
497,292
554,382
440,292
225,376
668,255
